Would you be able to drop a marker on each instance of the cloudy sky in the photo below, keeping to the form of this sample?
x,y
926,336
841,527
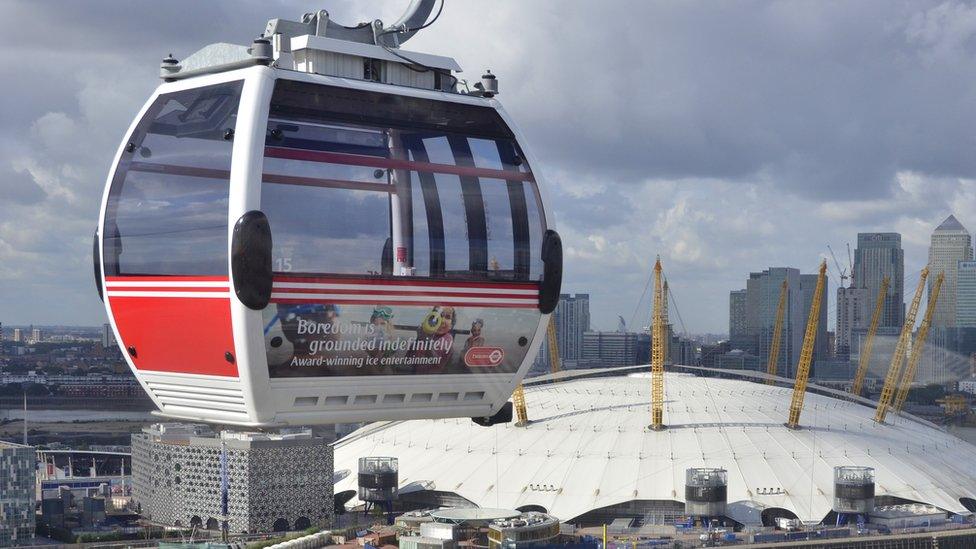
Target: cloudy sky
x,y
726,137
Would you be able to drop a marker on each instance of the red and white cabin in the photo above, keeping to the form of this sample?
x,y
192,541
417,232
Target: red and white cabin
x,y
280,247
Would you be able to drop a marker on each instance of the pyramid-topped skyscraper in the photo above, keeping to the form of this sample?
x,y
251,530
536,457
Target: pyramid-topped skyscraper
x,y
951,243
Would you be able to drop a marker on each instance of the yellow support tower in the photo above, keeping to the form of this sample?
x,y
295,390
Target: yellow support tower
x,y
773,363
894,371
657,352
918,346
518,397
865,359
553,345
521,412
806,353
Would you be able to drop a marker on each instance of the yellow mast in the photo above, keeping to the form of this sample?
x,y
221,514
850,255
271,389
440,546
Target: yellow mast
x,y
806,353
865,359
553,345
894,370
657,352
918,346
773,363
521,412
518,397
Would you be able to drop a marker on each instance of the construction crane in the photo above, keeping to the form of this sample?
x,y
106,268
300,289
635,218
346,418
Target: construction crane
x,y
918,346
777,334
657,352
518,396
806,353
842,272
865,359
954,405
894,371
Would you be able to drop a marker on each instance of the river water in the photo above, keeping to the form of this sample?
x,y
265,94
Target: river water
x,y
53,416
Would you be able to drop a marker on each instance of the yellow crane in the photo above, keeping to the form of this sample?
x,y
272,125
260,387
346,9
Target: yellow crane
x,y
777,334
894,370
518,396
865,359
954,405
806,352
913,359
657,352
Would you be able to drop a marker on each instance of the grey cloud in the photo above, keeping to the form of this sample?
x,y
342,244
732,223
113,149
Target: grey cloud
x,y
751,114
825,99
20,188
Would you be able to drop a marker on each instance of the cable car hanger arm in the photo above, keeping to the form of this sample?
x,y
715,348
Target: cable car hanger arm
x,y
319,23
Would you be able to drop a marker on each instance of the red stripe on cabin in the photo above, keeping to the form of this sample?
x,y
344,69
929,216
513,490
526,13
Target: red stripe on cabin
x,y
161,278
156,289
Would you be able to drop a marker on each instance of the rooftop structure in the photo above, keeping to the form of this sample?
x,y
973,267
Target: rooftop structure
x,y
587,455
526,530
472,515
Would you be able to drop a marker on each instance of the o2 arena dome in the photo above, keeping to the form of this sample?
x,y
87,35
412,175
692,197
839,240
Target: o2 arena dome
x,y
588,457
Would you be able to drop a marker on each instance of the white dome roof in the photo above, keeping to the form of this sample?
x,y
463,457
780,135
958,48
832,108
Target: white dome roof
x,y
588,446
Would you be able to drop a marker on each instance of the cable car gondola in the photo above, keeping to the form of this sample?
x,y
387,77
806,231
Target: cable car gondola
x,y
324,228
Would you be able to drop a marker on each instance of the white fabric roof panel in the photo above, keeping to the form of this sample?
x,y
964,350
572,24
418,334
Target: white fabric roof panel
x,y
588,446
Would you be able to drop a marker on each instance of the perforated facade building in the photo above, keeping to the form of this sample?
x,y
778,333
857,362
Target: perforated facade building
x,y
276,482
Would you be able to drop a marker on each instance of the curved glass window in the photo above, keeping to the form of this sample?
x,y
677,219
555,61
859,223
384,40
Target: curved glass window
x,y
365,183
167,207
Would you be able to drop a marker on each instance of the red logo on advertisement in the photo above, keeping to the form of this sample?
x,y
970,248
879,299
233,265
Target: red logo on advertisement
x,y
401,254
477,357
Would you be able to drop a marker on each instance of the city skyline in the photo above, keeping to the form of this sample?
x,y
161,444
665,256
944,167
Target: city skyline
x,y
721,308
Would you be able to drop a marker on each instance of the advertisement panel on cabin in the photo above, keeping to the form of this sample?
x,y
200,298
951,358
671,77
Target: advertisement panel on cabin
x,y
313,339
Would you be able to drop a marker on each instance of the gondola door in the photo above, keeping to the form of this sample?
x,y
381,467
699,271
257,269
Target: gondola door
x,y
165,236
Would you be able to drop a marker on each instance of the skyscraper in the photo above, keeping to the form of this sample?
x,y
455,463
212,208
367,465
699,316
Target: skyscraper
x,y
612,348
18,336
17,518
966,295
738,327
108,336
879,255
951,243
852,313
762,301
572,320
